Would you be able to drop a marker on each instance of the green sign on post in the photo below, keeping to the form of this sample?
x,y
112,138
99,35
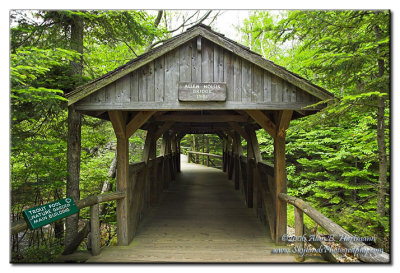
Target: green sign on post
x,y
43,215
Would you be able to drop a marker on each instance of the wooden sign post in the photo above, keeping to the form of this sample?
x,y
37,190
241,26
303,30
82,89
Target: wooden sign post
x,y
43,215
212,91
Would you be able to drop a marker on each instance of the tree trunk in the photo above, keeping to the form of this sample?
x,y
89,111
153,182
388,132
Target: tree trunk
x,y
83,233
74,134
73,168
381,198
381,194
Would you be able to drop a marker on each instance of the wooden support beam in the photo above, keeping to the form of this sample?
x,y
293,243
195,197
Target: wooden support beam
x,y
123,185
158,113
149,144
301,112
236,157
180,135
224,153
149,153
229,133
96,113
178,160
243,113
228,153
230,165
137,121
221,135
201,118
173,155
283,121
249,167
118,121
263,121
165,152
166,126
239,129
254,195
255,152
280,187
124,233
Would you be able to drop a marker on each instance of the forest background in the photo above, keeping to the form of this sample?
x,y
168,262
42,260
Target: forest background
x,y
338,160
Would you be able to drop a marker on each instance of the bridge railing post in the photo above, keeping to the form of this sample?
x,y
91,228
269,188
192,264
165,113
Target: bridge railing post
x,y
299,232
95,229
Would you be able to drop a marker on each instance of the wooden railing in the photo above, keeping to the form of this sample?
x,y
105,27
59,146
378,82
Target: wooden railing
x,y
147,180
259,178
362,251
207,155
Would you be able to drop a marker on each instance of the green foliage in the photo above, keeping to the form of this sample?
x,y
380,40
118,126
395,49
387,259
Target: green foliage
x,y
345,46
41,70
206,143
37,148
332,157
40,254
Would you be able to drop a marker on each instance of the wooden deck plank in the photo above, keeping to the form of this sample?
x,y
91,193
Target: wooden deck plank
x,y
200,219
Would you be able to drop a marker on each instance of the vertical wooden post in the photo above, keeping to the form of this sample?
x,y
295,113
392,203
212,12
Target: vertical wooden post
x,y
95,229
149,153
178,159
280,186
170,158
173,155
123,185
253,157
236,163
166,162
231,157
123,130
299,232
228,155
224,150
282,123
118,120
249,168
149,150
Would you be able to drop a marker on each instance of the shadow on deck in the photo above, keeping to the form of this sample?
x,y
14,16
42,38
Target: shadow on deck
x,y
200,219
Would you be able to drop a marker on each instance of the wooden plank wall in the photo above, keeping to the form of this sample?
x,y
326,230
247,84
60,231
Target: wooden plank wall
x,y
158,80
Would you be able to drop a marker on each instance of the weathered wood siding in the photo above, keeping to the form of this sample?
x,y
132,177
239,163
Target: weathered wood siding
x,y
158,80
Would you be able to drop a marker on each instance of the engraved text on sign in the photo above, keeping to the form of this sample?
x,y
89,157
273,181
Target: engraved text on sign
x,y
189,91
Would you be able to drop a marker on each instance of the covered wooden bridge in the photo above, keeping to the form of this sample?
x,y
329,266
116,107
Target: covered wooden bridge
x,y
200,82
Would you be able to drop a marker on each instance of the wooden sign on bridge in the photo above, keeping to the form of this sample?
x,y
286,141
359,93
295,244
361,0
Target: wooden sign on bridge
x,y
212,91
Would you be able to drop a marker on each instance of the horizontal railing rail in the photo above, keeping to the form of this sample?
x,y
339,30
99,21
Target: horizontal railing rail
x,y
206,154
363,252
